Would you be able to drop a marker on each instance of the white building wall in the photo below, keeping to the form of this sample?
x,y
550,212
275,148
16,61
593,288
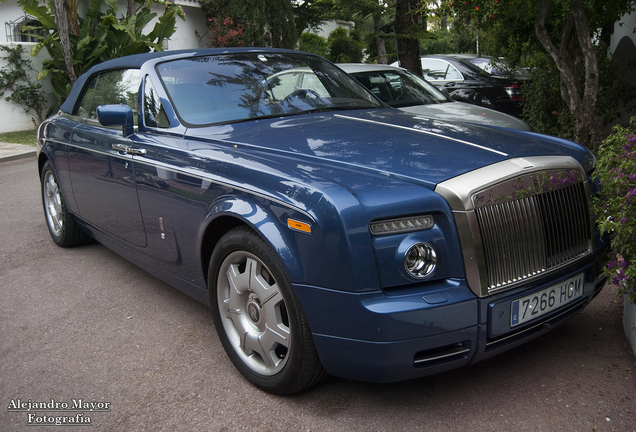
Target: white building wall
x,y
624,28
623,51
325,29
12,116
190,32
187,35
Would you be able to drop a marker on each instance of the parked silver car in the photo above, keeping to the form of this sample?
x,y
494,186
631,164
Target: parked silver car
x,y
402,89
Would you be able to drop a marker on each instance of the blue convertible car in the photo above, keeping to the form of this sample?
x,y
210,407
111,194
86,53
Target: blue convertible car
x,y
329,233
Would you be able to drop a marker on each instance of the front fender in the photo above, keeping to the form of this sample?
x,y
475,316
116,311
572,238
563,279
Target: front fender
x,y
312,258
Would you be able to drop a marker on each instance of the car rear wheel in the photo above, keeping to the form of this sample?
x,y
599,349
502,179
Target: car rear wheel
x,y
258,317
62,226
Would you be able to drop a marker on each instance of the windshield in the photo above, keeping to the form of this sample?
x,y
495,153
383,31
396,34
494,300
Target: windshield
x,y
400,88
497,68
239,86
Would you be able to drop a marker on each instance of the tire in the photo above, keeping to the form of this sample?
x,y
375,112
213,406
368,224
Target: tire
x,y
258,317
62,225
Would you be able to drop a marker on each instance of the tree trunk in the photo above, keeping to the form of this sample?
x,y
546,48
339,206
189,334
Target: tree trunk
x,y
72,19
588,126
444,24
408,48
379,42
62,28
130,11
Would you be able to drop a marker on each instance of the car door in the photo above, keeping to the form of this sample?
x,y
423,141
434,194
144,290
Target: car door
x,y
442,74
174,200
102,174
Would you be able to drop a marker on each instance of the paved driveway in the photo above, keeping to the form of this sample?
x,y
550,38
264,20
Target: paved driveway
x,y
84,324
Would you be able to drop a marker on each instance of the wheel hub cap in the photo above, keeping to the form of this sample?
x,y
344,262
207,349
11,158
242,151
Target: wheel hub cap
x,y
254,311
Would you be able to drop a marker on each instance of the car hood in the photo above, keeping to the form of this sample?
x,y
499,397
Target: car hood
x,y
459,111
386,142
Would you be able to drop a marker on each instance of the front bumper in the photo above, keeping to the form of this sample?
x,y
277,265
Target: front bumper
x,y
386,337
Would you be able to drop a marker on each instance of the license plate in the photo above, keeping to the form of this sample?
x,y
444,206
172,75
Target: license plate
x,y
545,301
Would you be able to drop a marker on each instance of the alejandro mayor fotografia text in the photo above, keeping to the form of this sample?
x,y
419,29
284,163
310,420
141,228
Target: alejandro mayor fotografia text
x,y
39,413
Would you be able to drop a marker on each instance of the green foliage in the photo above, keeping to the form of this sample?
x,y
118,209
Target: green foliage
x,y
310,14
313,43
370,47
280,24
544,109
616,205
446,42
546,112
509,25
344,46
102,36
262,22
250,16
16,77
509,29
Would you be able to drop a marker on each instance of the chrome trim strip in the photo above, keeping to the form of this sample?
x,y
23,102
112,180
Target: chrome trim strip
x,y
116,153
197,174
458,191
457,351
92,122
422,131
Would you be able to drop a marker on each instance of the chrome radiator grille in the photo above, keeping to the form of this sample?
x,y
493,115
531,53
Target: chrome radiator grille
x,y
526,237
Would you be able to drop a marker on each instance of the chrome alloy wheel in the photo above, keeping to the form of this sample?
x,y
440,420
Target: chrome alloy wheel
x,y
253,313
53,204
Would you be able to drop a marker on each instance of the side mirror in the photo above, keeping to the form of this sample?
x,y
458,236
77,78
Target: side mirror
x,y
445,91
116,115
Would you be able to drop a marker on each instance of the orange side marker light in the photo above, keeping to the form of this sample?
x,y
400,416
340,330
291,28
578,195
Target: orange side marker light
x,y
299,226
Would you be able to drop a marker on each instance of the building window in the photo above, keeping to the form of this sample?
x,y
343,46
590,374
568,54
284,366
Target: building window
x,y
24,29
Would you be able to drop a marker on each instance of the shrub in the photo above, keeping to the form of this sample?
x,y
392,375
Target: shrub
x,y
225,33
103,34
344,46
313,43
16,78
616,205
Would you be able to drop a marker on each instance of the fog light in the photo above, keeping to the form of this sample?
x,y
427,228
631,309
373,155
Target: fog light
x,y
420,260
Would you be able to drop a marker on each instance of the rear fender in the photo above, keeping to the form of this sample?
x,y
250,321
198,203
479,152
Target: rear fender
x,y
52,147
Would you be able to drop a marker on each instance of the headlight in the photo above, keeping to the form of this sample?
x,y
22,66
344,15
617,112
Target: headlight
x,y
420,260
402,225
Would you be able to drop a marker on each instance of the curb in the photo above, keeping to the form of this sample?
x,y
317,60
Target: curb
x,y
10,152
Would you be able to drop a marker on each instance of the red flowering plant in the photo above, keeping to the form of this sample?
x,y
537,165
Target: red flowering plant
x,y
225,33
476,13
616,205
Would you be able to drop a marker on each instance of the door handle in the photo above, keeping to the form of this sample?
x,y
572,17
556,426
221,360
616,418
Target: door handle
x,y
136,151
120,147
129,150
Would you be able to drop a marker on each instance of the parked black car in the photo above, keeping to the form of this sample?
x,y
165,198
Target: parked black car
x,y
475,79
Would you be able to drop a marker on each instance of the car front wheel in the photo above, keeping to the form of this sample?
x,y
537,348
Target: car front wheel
x,y
258,317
